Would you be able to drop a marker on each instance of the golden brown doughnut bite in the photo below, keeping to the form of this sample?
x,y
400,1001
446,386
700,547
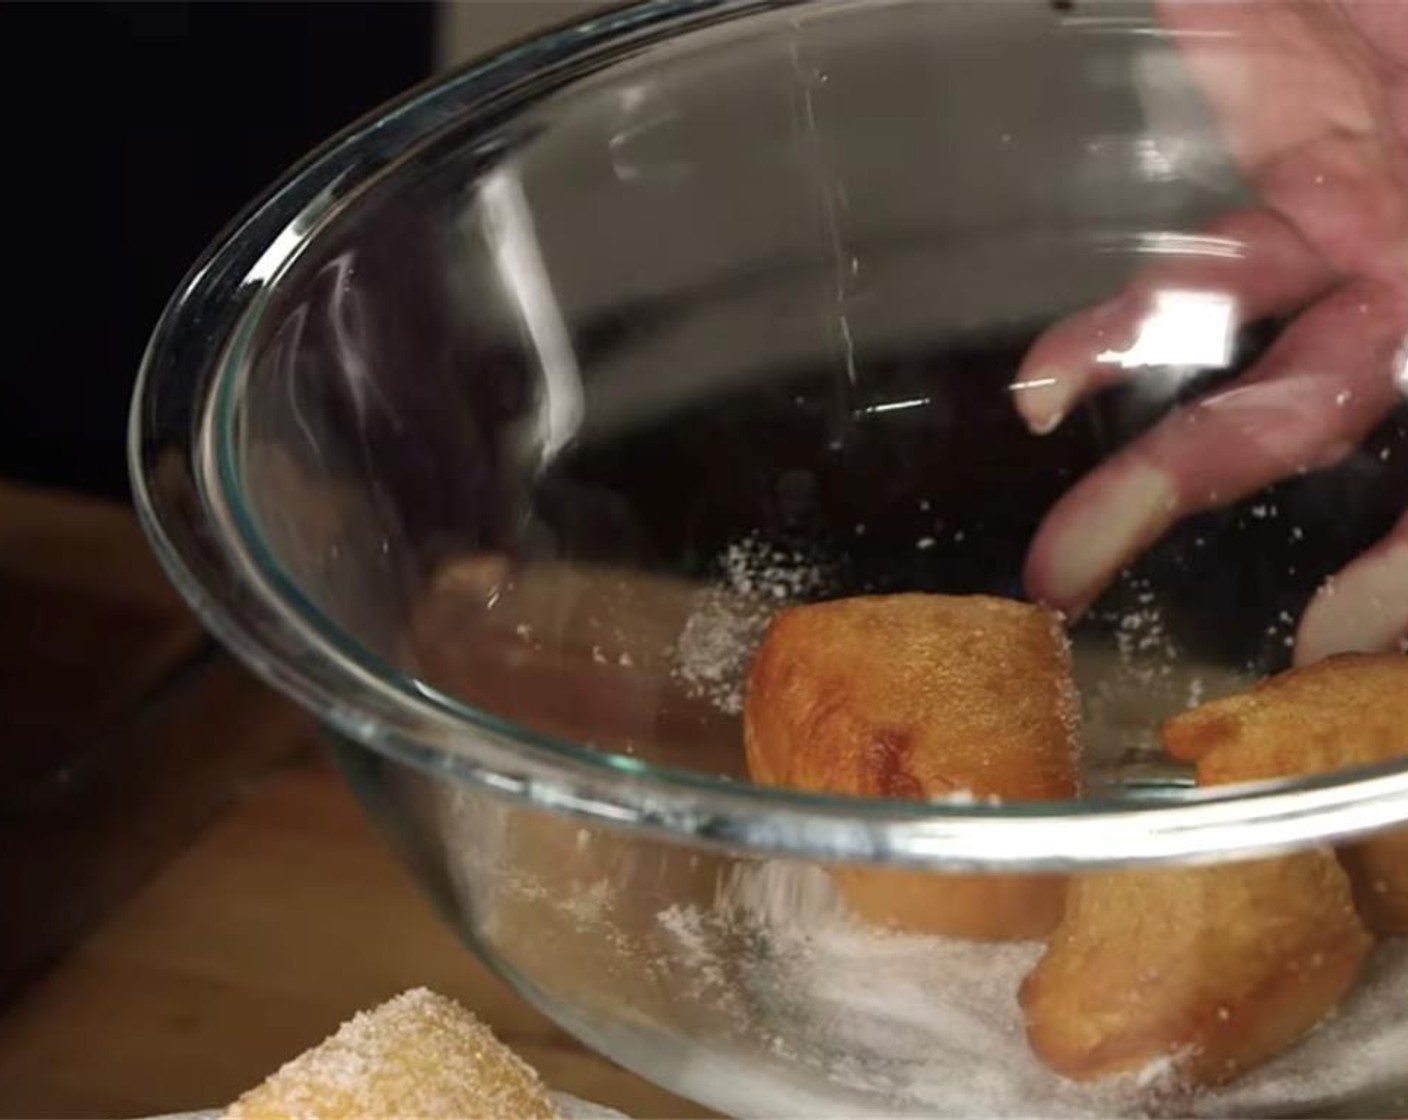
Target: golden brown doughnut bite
x,y
1213,969
919,697
1346,711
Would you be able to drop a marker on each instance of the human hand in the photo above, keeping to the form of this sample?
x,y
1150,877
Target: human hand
x,y
1312,96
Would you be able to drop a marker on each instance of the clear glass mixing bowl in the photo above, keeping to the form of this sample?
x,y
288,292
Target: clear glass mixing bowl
x,y
497,430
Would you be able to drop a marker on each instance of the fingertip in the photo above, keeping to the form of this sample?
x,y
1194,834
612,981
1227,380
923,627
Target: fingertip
x,y
1096,530
1043,398
1362,609
1039,591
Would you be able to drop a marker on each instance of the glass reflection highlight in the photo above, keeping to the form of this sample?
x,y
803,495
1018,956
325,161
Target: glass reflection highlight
x,y
1194,329
518,260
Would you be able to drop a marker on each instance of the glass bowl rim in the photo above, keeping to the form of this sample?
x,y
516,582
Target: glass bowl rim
x,y
185,482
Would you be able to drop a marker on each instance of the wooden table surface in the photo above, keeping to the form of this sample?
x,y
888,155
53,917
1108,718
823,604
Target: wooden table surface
x,y
197,899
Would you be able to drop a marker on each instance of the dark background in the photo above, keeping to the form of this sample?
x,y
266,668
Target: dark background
x,y
133,133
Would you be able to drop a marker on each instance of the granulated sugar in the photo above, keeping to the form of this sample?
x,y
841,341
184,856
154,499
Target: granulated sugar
x,y
716,645
933,1024
754,566
729,619
929,1023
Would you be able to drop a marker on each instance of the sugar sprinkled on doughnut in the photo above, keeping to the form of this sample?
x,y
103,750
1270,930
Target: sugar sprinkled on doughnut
x,y
419,1055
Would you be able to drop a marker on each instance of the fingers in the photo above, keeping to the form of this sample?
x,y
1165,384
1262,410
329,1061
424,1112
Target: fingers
x,y
1252,264
1321,387
1279,76
1384,27
1364,608
1309,97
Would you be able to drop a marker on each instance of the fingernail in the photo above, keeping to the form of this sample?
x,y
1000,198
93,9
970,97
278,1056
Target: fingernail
x,y
1043,398
1111,528
1364,609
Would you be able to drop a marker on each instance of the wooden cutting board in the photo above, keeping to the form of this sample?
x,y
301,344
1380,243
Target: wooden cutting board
x,y
283,919
121,736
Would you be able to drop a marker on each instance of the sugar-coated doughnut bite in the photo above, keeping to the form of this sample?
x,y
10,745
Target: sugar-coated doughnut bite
x,y
419,1055
922,697
1212,969
1346,711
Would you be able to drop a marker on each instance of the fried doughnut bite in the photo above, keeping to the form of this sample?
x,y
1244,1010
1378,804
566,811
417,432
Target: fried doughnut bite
x,y
1346,711
921,697
418,1055
1214,969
